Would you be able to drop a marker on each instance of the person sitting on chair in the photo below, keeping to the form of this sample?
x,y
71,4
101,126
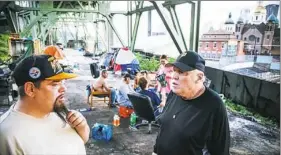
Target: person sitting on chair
x,y
101,86
156,101
136,82
124,89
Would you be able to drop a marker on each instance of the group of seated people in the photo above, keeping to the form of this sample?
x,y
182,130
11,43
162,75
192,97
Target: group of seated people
x,y
142,84
119,96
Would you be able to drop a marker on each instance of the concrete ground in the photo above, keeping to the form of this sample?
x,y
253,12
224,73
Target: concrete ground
x,y
247,138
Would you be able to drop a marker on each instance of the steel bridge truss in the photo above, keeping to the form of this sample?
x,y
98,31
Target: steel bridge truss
x,y
40,17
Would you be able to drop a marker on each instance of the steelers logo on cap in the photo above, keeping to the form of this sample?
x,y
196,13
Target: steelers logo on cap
x,y
34,73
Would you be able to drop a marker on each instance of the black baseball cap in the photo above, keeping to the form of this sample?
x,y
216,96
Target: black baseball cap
x,y
127,75
39,67
189,61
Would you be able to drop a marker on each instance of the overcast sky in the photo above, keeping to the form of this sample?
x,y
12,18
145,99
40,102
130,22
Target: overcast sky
x,y
213,13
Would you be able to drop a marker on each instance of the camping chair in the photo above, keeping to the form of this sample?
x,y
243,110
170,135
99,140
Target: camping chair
x,y
99,94
143,109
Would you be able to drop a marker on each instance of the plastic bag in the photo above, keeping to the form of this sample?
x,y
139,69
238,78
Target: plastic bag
x,y
102,132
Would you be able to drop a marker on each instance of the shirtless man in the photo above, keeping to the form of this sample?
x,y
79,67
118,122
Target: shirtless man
x,y
101,85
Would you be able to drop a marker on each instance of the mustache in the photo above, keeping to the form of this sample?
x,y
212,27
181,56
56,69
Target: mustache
x,y
60,109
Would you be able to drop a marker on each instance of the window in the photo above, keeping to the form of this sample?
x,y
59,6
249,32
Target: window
x,y
269,28
252,38
233,32
200,44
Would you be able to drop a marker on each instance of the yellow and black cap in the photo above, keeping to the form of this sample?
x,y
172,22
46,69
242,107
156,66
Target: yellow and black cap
x,y
39,67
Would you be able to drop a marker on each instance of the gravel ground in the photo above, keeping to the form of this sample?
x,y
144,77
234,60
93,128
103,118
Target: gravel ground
x,y
247,138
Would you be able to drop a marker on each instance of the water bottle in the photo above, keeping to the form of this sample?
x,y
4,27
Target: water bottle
x,y
133,119
83,110
116,120
86,109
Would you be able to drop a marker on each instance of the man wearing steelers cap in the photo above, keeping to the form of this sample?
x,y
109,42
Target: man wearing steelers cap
x,y
39,123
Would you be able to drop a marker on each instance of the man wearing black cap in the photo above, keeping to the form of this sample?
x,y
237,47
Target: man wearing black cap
x,y
39,123
194,121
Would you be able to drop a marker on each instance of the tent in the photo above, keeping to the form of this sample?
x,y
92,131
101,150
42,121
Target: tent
x,y
54,51
106,59
125,60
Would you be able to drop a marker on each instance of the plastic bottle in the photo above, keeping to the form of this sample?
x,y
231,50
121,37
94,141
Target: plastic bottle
x,y
116,120
83,109
133,119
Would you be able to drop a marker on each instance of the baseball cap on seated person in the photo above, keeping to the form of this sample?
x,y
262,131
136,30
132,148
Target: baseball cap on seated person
x,y
39,67
189,61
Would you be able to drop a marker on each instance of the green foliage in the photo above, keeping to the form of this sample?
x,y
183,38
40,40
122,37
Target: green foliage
x,y
4,50
239,109
149,64
171,60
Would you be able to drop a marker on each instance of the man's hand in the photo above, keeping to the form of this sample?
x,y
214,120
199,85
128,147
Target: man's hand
x,y
162,104
79,123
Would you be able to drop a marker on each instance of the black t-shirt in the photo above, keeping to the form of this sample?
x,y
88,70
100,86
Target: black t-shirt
x,y
192,127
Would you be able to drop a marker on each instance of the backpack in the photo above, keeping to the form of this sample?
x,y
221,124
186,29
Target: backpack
x,y
94,70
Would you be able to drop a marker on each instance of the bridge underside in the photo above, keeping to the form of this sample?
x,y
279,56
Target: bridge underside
x,y
40,20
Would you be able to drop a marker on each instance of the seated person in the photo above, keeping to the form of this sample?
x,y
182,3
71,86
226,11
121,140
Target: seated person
x,y
151,87
156,102
101,86
144,73
136,81
124,89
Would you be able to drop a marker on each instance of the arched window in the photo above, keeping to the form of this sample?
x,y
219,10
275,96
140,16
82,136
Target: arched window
x,y
252,38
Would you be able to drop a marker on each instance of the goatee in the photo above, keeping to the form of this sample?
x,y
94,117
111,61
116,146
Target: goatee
x,y
60,109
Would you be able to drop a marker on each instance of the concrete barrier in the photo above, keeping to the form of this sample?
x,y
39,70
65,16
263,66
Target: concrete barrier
x,y
262,96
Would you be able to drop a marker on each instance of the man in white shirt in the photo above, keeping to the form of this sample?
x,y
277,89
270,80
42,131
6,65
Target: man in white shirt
x,y
124,89
39,123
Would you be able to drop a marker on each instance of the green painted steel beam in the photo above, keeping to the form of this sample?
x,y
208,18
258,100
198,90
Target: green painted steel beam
x,y
69,10
35,20
167,23
192,31
80,4
11,19
177,25
51,21
136,27
197,25
30,25
115,31
166,4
